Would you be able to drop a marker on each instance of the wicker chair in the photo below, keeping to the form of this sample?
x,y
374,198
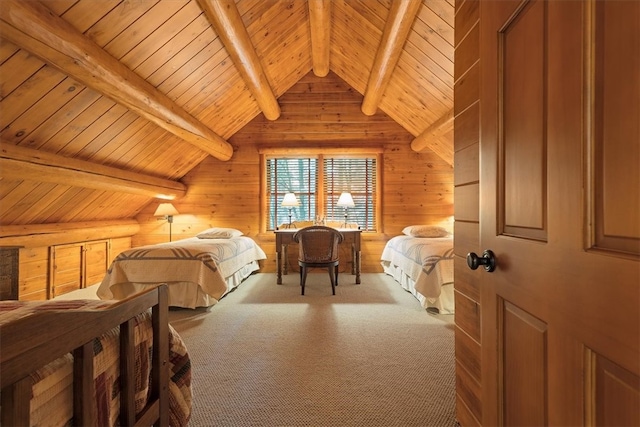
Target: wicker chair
x,y
318,247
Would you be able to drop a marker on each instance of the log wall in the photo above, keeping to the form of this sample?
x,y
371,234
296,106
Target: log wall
x,y
317,113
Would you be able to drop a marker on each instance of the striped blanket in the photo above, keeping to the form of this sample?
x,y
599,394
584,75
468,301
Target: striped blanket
x,y
204,264
52,391
427,262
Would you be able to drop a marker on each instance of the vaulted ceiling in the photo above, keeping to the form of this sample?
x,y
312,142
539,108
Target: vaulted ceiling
x,y
111,102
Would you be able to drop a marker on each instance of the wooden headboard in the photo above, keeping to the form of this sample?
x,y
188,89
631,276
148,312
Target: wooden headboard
x,y
32,342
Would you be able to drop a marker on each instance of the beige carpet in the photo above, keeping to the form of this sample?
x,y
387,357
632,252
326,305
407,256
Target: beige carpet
x,y
368,356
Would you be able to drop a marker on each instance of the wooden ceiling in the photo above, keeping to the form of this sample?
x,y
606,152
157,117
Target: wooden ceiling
x,y
106,104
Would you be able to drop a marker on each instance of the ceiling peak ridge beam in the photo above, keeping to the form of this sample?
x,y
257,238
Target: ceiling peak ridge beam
x,y
33,27
401,16
227,22
429,138
320,23
22,163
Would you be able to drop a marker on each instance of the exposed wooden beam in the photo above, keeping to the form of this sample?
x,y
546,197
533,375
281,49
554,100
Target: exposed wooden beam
x,y
33,27
320,22
399,22
227,22
432,138
349,150
21,163
39,235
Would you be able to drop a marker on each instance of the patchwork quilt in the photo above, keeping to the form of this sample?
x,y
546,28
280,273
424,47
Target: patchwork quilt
x,y
52,391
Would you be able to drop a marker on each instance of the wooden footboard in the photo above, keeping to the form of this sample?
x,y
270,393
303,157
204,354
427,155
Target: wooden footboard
x,y
30,343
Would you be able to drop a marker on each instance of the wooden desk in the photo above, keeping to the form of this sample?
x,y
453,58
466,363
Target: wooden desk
x,y
285,236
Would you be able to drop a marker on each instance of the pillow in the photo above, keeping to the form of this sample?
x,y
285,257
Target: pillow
x,y
219,233
425,231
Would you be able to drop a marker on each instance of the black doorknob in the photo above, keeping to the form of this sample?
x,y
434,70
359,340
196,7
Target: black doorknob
x,y
488,260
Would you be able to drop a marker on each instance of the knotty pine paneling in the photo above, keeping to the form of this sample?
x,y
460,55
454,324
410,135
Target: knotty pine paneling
x,y
417,188
34,273
439,18
172,45
421,89
352,57
118,245
66,262
35,276
96,255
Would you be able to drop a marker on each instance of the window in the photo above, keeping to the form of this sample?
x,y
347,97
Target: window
x,y
358,177
317,182
298,176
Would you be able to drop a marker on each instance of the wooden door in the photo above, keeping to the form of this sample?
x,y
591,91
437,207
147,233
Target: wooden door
x,y
560,208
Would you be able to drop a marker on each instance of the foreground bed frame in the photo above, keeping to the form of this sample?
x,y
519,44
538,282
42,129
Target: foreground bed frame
x,y
32,342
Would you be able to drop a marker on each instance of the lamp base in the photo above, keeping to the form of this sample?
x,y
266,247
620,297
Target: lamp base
x,y
290,225
346,223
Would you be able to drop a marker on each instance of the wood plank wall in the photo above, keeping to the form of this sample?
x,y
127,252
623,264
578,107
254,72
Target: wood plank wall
x,y
38,266
467,225
40,242
317,112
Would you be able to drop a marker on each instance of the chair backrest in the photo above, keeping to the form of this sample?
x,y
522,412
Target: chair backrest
x,y
318,244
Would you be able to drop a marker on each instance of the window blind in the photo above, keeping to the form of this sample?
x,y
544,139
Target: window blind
x,y
288,175
358,177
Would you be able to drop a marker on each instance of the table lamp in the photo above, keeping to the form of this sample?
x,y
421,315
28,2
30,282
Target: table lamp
x,y
346,201
290,201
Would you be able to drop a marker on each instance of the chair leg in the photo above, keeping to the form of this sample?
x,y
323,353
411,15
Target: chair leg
x,y
336,275
332,276
303,277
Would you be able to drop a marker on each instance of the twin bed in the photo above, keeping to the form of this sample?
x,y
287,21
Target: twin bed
x,y
126,355
202,269
91,362
117,361
199,270
421,261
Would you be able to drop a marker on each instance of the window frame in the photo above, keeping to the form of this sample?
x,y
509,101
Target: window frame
x,y
360,195
320,155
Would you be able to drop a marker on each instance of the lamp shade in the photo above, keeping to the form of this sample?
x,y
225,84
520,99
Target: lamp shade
x,y
290,200
165,209
346,200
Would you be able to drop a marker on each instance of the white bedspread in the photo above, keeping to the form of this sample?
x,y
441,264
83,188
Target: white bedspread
x,y
423,266
197,270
